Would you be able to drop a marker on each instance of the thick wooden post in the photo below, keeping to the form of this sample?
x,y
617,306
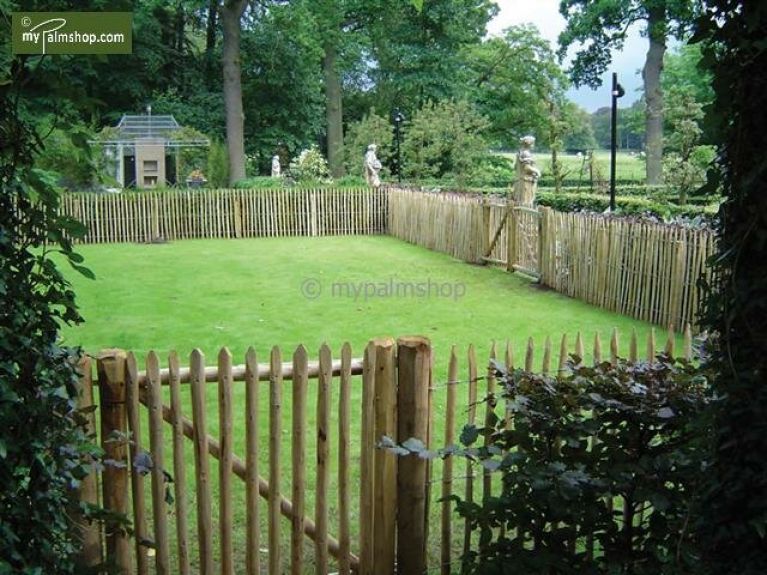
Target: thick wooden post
x,y
413,377
111,376
384,463
90,554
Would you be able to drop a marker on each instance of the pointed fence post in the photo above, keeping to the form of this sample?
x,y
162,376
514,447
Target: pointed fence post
x,y
90,554
384,462
114,425
413,380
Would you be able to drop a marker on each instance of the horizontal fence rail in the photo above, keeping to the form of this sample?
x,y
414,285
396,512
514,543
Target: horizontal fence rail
x,y
283,455
174,215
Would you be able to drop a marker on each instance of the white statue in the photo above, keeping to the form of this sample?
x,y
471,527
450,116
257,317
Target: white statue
x,y
527,173
276,169
372,166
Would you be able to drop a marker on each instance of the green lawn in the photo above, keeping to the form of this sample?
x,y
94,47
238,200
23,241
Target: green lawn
x,y
238,293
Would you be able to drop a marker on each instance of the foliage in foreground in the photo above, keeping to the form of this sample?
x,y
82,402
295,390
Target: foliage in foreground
x,y
43,443
601,470
735,525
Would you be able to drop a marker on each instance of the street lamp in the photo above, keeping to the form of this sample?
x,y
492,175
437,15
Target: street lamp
x,y
398,118
617,92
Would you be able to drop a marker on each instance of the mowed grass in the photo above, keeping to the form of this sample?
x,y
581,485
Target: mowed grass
x,y
211,293
241,293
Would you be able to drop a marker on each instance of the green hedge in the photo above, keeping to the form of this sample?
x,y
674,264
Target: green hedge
x,y
628,205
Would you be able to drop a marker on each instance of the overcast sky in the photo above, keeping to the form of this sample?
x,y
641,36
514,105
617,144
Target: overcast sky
x,y
545,15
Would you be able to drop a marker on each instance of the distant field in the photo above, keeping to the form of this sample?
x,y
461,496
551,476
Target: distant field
x,y
628,167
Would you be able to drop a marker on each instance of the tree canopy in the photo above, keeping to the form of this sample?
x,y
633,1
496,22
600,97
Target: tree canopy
x,y
601,26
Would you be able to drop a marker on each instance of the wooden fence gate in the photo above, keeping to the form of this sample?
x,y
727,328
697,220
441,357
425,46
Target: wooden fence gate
x,y
391,383
385,517
513,237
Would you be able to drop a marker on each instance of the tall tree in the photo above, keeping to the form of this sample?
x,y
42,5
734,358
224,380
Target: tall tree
x,y
514,80
416,56
333,18
231,12
602,25
734,507
282,83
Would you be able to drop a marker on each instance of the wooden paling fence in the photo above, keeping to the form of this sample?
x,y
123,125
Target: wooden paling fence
x,y
297,476
647,270
175,215
447,223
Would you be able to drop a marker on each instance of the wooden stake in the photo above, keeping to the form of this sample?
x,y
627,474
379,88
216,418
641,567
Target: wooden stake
x,y
298,453
323,459
202,467
414,366
225,514
157,447
179,467
111,376
252,527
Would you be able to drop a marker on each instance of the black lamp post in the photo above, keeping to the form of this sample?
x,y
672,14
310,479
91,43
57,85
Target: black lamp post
x,y
398,118
617,92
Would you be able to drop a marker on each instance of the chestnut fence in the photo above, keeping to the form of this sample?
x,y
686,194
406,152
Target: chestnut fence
x,y
167,215
651,271
274,466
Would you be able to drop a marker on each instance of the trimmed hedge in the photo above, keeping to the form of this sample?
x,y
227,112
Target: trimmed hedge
x,y
627,205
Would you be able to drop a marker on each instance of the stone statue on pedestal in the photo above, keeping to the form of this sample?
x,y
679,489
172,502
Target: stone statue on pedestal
x,y
526,183
372,166
276,168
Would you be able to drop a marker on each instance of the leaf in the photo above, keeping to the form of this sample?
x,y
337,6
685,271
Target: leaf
x,y
84,271
469,434
666,413
414,445
417,4
386,442
143,462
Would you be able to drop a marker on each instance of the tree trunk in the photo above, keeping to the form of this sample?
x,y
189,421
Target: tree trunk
x,y
231,13
656,26
210,31
210,44
334,112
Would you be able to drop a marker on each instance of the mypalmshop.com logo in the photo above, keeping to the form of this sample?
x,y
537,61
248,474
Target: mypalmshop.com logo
x,y
72,32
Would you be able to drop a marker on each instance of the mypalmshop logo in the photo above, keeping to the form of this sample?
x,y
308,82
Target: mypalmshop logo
x,y
72,32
